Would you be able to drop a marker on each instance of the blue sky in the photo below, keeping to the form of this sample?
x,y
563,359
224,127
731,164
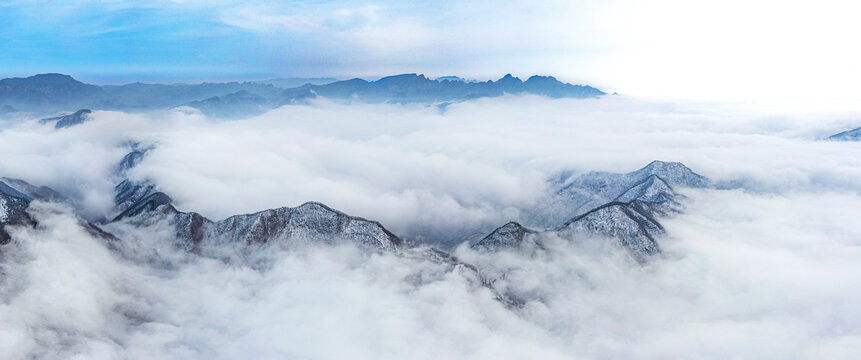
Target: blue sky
x,y
120,41
681,48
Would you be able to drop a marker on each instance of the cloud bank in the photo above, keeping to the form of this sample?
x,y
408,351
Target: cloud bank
x,y
426,173
764,271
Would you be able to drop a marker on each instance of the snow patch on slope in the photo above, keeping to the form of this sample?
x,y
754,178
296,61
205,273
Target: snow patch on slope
x,y
4,211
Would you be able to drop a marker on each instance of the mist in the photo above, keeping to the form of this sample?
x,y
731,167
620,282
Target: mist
x,y
427,173
762,267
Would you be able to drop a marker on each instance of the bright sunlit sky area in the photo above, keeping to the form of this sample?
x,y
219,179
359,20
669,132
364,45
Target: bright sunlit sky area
x,y
703,50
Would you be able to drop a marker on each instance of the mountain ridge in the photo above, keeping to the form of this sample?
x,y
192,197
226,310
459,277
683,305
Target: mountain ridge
x,y
848,135
627,210
52,93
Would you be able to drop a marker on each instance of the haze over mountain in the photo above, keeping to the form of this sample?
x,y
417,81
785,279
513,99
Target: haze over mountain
x,y
48,93
286,83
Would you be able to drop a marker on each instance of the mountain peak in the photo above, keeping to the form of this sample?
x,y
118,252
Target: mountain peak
x,y
409,76
48,79
674,174
510,235
53,77
508,79
539,78
454,79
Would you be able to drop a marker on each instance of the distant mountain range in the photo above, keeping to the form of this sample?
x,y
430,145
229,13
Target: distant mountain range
x,y
51,93
287,83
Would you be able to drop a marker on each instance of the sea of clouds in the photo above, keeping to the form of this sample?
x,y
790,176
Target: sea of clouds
x,y
763,269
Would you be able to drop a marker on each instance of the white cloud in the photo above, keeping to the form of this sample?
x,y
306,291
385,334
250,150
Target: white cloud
x,y
758,276
765,273
421,172
660,48
663,48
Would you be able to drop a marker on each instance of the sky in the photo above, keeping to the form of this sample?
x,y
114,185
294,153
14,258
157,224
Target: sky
x,y
662,48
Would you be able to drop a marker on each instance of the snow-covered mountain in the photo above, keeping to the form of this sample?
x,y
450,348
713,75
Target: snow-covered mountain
x,y
634,202
142,203
848,135
16,195
628,206
570,195
624,207
13,206
632,224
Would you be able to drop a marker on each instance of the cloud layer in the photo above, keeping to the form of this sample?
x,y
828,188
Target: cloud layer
x,y
763,272
426,173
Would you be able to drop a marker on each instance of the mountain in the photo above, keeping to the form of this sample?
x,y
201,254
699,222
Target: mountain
x,y
141,97
141,204
46,93
49,93
630,219
52,93
287,83
454,78
631,224
570,195
310,222
628,206
849,135
408,88
234,105
509,236
13,206
132,197
69,120
42,193
15,198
